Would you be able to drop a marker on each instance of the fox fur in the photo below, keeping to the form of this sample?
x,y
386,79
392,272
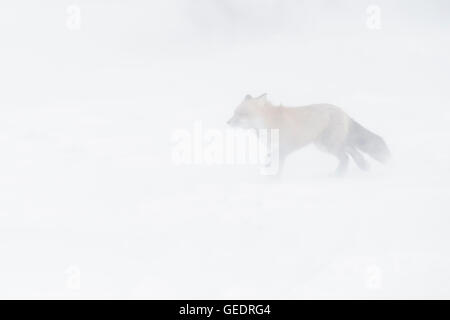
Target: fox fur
x,y
324,125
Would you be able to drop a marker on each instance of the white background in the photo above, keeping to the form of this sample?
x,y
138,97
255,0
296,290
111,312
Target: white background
x,y
92,206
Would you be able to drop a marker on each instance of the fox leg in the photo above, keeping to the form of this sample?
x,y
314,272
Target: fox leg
x,y
281,161
343,163
358,158
340,153
279,171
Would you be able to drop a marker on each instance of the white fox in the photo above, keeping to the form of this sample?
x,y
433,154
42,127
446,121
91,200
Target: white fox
x,y
325,125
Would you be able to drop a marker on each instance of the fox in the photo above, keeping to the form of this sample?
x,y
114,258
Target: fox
x,y
326,126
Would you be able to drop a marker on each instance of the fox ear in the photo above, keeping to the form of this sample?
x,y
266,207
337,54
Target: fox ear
x,y
262,99
263,96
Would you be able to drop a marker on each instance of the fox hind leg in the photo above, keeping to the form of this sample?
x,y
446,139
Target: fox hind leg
x,y
343,163
358,158
339,152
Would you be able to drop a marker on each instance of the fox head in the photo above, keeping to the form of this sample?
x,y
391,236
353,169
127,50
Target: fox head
x,y
249,114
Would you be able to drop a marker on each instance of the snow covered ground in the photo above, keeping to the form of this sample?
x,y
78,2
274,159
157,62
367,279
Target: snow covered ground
x,y
92,206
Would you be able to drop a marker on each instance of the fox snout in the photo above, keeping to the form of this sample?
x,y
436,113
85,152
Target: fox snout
x,y
238,122
232,122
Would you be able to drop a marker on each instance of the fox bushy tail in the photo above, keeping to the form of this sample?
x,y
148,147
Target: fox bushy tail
x,y
368,142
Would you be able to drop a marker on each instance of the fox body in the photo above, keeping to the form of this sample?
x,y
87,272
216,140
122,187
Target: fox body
x,y
325,125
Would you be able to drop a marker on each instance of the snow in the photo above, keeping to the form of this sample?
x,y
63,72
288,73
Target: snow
x,y
90,195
